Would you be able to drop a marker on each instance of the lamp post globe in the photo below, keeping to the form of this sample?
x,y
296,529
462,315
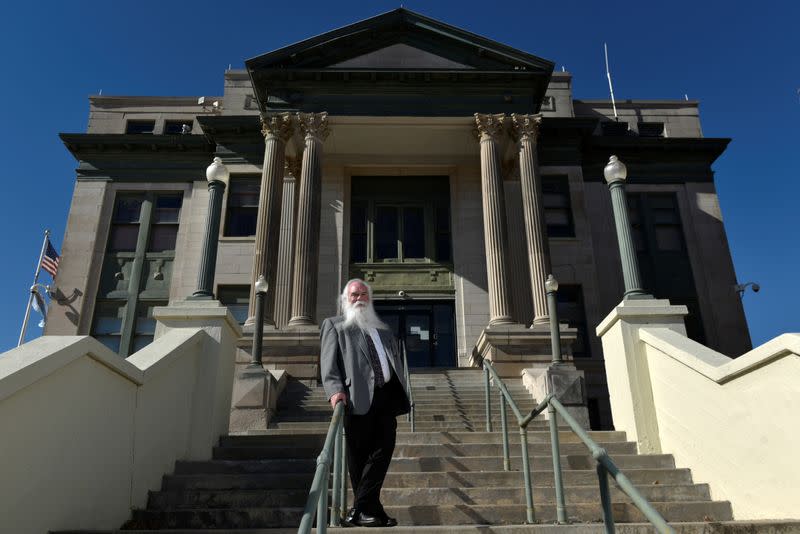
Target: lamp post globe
x,y
615,170
218,172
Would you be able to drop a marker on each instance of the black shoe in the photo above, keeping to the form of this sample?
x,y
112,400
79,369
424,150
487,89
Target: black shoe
x,y
363,520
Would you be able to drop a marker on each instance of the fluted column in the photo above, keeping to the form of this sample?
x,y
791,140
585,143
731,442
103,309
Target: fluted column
x,y
306,257
490,128
283,287
276,130
526,129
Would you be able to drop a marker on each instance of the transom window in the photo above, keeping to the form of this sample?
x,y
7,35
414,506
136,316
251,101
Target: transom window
x,y
400,219
241,214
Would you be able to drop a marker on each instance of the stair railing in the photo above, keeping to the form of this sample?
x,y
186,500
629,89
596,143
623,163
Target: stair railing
x,y
409,393
604,467
317,501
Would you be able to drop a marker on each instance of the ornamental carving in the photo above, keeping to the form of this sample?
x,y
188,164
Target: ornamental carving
x,y
314,125
277,125
526,126
489,126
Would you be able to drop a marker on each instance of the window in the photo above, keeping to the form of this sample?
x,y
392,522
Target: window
x,y
140,127
651,129
571,311
557,206
548,104
664,262
237,299
178,127
400,219
137,269
241,215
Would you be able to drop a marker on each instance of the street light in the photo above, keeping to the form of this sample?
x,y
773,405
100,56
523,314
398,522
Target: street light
x,y
615,173
551,287
217,175
258,332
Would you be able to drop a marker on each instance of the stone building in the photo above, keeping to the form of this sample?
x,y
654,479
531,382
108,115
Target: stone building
x,y
450,171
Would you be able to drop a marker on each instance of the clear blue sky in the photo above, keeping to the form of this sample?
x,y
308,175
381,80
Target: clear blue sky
x,y
740,60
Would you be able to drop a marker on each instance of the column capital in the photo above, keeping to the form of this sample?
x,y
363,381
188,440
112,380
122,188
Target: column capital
x,y
526,126
293,166
490,126
276,125
314,125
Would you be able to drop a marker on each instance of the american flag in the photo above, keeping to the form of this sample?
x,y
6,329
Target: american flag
x,y
50,259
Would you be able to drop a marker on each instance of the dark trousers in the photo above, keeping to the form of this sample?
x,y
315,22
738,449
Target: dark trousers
x,y
370,444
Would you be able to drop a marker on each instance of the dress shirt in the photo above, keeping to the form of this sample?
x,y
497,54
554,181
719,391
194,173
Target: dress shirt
x,y
376,339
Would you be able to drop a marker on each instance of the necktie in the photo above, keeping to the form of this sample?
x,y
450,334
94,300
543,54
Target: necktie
x,y
375,361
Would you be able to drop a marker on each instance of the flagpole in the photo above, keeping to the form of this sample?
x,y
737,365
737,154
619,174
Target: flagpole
x,y
30,297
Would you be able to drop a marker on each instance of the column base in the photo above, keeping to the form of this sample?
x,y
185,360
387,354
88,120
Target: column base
x,y
566,383
512,348
255,396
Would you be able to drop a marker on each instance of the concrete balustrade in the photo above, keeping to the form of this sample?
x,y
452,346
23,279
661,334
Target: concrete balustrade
x,y
87,433
733,422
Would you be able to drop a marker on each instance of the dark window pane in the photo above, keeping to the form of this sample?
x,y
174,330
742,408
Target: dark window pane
x,y
443,247
140,127
385,232
107,324
442,219
127,209
145,326
167,209
557,206
358,219
413,233
178,127
669,238
163,237
237,299
242,213
358,248
123,238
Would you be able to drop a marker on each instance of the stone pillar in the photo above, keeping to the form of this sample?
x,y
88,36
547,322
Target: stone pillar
x,y
283,284
490,128
526,129
276,129
304,284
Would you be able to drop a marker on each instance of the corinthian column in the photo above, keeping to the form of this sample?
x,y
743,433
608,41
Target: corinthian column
x,y
276,129
490,128
306,256
526,129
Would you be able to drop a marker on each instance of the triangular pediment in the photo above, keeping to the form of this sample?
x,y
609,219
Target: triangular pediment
x,y
400,56
400,39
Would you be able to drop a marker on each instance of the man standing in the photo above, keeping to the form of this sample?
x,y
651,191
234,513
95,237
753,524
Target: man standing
x,y
361,366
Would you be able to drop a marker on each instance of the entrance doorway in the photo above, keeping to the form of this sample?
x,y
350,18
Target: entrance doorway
x,y
427,327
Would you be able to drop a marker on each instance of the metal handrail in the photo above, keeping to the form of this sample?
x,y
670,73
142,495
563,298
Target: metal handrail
x,y
316,503
605,465
411,414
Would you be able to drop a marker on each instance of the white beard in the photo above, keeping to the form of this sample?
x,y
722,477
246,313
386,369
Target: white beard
x,y
362,315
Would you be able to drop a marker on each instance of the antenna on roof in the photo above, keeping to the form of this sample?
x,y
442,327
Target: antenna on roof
x,y
686,96
101,92
610,87
229,66
563,69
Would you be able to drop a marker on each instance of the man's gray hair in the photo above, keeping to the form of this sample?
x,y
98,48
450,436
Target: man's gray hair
x,y
342,300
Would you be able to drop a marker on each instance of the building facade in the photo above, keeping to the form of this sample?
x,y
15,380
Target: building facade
x,y
451,172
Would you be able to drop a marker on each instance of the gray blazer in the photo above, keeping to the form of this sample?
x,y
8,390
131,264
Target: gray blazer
x,y
345,366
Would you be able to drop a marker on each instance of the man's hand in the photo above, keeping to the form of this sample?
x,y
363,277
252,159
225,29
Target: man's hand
x,y
338,397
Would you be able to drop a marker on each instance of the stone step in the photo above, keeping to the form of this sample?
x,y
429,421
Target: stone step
x,y
601,436
322,426
434,479
429,464
420,496
696,527
413,451
430,417
426,515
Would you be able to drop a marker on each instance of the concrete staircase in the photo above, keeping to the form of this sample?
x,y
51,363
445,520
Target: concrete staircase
x,y
446,477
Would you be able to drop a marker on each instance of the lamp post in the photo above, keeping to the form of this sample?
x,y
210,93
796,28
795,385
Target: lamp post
x,y
551,287
217,175
615,173
261,287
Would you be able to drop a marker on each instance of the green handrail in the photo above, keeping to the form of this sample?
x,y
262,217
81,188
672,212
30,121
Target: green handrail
x,y
411,414
605,465
317,501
